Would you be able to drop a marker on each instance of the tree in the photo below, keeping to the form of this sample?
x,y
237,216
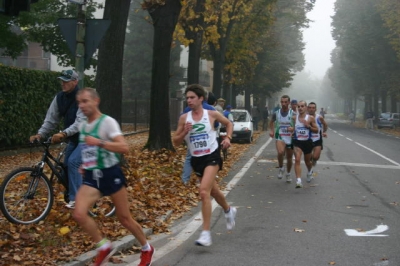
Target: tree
x,y
364,51
390,12
192,22
165,18
40,25
110,57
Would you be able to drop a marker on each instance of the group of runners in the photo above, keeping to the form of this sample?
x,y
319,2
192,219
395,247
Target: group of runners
x,y
298,130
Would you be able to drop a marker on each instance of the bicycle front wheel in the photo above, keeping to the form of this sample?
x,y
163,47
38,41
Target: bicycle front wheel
x,y
26,196
103,207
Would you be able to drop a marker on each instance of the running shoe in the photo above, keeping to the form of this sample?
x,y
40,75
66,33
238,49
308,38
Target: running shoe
x,y
104,254
70,205
230,218
299,185
146,257
288,178
204,239
280,174
310,177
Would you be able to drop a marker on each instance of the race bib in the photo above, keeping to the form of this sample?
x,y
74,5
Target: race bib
x,y
199,144
302,133
89,156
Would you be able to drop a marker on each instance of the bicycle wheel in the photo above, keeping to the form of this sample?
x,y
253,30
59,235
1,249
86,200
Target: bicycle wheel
x,y
26,197
103,207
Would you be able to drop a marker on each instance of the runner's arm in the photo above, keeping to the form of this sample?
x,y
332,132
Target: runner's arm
x,y
271,125
181,131
313,125
324,126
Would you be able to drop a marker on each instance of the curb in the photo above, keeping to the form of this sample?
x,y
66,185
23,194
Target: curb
x,y
122,244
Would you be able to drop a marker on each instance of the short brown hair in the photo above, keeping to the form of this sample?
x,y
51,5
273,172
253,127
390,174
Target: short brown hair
x,y
197,89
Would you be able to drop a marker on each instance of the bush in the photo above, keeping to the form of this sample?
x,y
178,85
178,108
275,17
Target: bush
x,y
25,96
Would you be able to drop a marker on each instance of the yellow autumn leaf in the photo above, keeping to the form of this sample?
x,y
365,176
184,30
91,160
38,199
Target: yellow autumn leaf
x,y
64,230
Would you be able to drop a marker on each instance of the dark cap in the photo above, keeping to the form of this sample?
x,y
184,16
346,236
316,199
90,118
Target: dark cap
x,y
68,75
293,101
228,107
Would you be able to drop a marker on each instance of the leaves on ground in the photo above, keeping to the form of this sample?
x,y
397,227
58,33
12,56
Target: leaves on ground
x,y
154,188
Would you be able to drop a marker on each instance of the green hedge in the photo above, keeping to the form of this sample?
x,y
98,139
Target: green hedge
x,y
25,96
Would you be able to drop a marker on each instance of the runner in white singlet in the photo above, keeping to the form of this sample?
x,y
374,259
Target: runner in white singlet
x,y
317,137
280,121
197,128
302,143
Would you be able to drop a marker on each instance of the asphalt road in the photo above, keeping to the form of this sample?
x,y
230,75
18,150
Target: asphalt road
x,y
348,215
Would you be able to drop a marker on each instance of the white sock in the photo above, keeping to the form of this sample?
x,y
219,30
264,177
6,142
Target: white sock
x,y
299,180
146,247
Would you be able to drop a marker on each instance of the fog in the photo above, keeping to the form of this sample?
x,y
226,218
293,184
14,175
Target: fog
x,y
318,46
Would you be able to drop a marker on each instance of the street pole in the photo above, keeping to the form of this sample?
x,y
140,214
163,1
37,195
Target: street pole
x,y
80,43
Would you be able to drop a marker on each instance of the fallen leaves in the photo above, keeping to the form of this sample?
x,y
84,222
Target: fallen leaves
x,y
154,188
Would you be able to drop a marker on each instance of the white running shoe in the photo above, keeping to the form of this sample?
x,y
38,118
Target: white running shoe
x,y
230,218
299,184
280,174
310,177
288,178
204,239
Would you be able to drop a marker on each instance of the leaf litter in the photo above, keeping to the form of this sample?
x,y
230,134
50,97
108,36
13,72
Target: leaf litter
x,y
154,188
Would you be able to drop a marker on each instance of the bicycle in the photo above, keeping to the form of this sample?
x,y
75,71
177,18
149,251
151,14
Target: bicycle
x,y
27,194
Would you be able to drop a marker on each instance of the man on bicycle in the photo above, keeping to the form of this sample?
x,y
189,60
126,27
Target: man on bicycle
x,y
64,105
102,143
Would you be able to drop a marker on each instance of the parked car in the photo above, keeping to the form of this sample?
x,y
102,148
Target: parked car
x,y
391,120
242,125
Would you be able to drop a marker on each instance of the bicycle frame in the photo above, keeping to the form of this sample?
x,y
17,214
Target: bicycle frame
x,y
53,163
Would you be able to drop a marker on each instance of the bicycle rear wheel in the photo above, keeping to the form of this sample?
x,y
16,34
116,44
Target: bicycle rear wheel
x,y
103,207
25,196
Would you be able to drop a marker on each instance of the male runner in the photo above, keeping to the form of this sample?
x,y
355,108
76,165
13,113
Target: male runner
x,y
102,142
302,143
197,129
281,120
317,137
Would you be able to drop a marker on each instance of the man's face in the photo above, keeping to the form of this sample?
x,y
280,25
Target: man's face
x,y
311,109
193,101
68,86
284,103
301,107
221,104
87,103
294,106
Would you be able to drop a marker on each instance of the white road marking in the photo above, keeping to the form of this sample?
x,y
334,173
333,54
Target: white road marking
x,y
377,153
345,163
349,139
197,221
341,135
374,232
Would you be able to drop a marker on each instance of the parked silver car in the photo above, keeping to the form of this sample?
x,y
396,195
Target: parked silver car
x,y
391,120
242,125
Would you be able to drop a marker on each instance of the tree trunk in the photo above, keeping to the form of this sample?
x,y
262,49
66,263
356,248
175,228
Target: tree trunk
x,y
217,74
111,53
164,21
195,46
